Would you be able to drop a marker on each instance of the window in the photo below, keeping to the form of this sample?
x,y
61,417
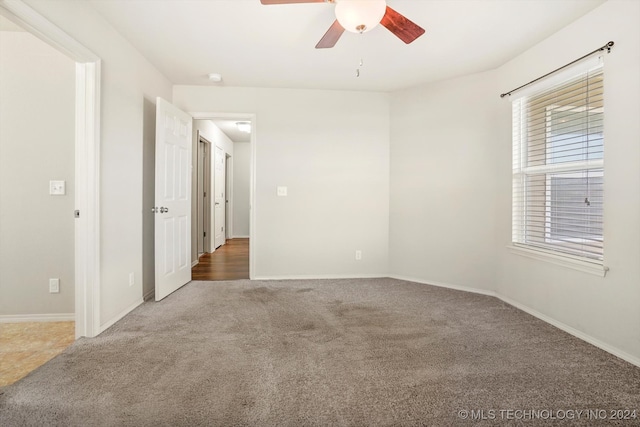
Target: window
x,y
558,167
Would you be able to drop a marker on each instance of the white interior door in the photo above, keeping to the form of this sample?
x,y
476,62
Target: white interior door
x,y
173,199
200,197
203,195
219,197
227,193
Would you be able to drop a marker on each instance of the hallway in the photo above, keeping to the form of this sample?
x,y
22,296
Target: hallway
x,y
228,262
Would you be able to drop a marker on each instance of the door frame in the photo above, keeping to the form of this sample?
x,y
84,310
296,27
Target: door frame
x,y
251,117
206,205
87,160
219,154
228,192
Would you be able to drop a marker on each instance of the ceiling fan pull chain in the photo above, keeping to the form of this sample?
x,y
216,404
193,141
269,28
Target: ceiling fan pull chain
x,y
361,62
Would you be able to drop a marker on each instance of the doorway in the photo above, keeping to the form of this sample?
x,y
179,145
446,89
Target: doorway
x,y
87,160
33,316
228,262
229,254
203,212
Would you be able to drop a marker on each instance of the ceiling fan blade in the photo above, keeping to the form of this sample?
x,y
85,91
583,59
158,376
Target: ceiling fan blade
x,y
398,24
331,37
290,1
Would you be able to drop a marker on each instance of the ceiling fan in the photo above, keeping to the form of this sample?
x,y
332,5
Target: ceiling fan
x,y
360,16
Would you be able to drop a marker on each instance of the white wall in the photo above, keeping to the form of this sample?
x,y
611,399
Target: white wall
x,y
451,185
443,182
37,113
128,80
331,149
212,133
241,187
604,308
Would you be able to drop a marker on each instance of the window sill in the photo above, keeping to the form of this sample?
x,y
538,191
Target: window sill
x,y
564,261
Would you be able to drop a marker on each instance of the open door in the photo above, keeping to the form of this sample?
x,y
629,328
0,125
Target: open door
x,y
219,198
203,195
172,199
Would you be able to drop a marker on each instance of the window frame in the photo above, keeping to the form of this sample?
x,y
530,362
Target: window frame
x,y
521,172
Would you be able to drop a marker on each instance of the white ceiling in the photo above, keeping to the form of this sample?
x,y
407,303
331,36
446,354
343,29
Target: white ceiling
x,y
229,128
273,46
6,25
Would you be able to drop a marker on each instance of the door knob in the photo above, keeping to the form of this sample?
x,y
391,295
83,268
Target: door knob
x,y
154,210
163,209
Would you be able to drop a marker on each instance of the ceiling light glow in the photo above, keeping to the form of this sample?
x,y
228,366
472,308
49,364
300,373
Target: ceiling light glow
x,y
244,126
215,77
360,16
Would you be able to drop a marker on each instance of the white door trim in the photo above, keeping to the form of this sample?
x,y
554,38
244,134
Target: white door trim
x,y
228,215
252,179
207,246
87,160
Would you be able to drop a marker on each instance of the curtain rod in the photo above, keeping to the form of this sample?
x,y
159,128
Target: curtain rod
x,y
606,47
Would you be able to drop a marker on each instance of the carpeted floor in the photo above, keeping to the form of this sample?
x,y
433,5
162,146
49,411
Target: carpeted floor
x,y
332,352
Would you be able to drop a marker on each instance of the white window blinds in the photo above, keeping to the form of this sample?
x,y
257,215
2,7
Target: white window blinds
x,y
558,167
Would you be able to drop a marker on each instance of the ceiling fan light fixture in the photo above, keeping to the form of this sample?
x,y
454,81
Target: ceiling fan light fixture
x,y
244,127
360,16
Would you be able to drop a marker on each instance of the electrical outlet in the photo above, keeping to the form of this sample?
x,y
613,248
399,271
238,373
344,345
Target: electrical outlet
x,y
57,188
358,255
54,286
132,279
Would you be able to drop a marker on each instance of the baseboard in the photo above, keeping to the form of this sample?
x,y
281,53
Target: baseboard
x,y
566,328
572,331
445,285
149,295
240,237
119,316
194,263
22,318
322,276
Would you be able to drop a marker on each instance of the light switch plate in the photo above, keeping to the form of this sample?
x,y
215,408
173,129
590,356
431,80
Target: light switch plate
x,y
57,188
282,191
54,286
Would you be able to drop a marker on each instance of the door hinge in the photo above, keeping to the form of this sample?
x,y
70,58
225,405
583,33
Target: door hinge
x,y
205,194
204,234
76,214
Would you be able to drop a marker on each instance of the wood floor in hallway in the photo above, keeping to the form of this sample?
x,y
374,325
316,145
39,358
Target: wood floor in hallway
x,y
229,262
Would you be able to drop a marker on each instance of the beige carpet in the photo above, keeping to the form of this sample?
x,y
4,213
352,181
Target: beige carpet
x,y
334,352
